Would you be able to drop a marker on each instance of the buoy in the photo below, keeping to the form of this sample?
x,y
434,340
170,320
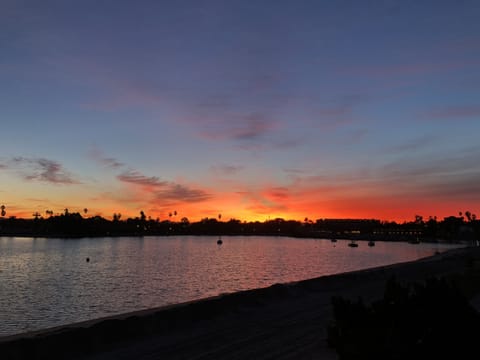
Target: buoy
x,y
219,242
87,259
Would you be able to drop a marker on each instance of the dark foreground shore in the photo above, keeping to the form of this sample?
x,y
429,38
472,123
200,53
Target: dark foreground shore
x,y
285,321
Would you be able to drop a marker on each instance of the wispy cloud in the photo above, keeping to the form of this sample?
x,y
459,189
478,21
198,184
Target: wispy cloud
x,y
261,205
339,112
269,200
416,179
135,177
266,209
109,162
464,187
287,143
294,171
464,162
160,190
356,136
225,169
453,178
277,193
41,169
121,91
412,145
214,103
245,128
254,127
181,193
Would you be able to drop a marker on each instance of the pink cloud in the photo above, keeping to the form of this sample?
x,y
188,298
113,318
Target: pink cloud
x,y
277,193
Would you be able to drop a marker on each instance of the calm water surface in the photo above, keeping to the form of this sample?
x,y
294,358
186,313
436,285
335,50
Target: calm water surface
x,y
48,282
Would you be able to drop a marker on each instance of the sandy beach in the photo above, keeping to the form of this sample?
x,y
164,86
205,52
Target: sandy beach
x,y
284,321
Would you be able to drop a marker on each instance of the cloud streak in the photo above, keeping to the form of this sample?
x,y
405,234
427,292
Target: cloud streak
x,y
254,127
43,170
160,190
225,169
181,193
109,162
136,178
247,128
412,145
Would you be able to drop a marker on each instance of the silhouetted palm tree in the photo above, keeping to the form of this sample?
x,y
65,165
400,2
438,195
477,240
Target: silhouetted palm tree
x,y
468,214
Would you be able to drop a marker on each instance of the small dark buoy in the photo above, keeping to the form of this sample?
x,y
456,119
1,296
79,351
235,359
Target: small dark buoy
x,y
87,259
219,242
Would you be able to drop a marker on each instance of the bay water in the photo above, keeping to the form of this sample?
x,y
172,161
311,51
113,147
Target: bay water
x,y
52,282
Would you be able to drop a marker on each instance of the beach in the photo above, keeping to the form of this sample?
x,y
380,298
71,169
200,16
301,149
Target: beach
x,y
284,321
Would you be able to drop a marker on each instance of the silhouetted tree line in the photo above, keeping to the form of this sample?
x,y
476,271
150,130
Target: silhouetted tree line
x,y
465,226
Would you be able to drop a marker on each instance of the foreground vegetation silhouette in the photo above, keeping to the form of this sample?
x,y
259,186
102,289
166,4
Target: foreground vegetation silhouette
x,y
419,321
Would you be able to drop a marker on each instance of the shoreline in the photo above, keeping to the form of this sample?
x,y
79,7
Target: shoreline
x,y
313,236
300,309
465,243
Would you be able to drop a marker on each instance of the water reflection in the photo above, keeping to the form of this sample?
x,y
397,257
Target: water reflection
x,y
48,282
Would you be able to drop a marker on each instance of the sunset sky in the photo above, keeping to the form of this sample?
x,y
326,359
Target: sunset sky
x,y
251,109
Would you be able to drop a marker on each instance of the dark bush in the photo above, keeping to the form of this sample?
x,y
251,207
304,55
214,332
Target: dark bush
x,y
418,321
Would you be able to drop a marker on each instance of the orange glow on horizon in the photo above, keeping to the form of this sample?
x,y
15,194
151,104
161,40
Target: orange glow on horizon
x,y
194,213
261,203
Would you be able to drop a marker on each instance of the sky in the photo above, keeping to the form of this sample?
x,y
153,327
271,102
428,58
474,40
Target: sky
x,y
250,109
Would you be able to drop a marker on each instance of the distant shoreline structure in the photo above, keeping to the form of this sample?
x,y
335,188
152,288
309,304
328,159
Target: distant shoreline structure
x,y
74,225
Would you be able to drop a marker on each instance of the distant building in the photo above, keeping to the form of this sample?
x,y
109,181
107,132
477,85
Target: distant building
x,y
348,226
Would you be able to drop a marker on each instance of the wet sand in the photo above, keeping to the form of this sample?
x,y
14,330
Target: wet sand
x,y
284,321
